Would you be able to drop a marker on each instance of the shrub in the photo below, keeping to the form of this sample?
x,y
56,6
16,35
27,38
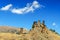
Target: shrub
x,y
54,31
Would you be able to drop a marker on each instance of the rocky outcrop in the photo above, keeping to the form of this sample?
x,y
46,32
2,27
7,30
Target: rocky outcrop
x,y
41,26
39,31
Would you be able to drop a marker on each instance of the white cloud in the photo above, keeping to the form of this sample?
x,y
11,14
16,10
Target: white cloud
x,y
19,11
6,7
30,7
35,4
54,24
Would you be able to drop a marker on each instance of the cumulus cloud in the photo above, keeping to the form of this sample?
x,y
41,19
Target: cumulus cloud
x,y
30,7
6,7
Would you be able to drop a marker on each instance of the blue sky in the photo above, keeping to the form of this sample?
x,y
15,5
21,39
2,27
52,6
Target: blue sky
x,y
22,13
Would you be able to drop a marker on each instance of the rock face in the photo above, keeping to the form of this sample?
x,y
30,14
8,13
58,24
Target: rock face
x,y
41,26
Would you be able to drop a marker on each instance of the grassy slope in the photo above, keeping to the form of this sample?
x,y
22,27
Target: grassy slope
x,y
35,33
56,37
9,36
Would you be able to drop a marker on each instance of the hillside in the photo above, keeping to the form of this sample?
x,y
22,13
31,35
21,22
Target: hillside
x,y
39,31
9,29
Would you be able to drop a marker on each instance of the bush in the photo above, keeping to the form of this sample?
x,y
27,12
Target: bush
x,y
54,31
17,32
